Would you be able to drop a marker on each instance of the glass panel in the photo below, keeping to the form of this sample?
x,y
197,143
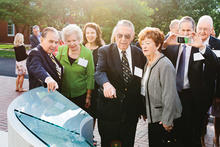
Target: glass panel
x,y
51,134
53,118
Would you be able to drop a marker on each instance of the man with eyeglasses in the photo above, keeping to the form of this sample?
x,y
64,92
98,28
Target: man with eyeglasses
x,y
119,72
205,30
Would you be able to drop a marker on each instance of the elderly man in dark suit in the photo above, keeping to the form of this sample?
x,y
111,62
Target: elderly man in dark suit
x,y
43,68
196,67
119,72
35,37
205,29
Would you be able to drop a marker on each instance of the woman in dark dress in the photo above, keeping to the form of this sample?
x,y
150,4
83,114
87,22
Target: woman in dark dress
x,y
21,56
92,39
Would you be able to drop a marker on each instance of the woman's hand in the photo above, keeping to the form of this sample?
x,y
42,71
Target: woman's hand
x,y
88,102
167,128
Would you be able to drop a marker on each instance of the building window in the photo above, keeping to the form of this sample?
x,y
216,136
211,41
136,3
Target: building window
x,y
11,29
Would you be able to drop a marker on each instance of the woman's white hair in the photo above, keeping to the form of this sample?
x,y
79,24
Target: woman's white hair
x,y
72,29
18,40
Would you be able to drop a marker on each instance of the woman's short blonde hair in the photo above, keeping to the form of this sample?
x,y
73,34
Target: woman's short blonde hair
x,y
72,29
19,39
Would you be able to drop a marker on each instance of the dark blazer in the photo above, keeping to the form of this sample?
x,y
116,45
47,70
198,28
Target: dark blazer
x,y
129,104
34,41
201,74
215,45
40,66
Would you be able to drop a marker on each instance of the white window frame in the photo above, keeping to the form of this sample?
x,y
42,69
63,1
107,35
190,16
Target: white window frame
x,y
13,29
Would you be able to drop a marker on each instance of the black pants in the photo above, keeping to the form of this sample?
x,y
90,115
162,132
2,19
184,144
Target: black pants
x,y
112,133
81,101
191,121
159,137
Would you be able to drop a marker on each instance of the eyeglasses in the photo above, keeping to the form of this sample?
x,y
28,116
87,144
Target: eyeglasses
x,y
126,36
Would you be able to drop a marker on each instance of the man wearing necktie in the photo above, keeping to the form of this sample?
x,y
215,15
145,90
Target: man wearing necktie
x,y
205,29
119,72
196,66
43,68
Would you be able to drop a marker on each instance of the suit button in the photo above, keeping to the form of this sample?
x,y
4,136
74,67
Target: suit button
x,y
126,89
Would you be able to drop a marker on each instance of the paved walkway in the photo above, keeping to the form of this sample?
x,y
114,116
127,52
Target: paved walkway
x,y
8,94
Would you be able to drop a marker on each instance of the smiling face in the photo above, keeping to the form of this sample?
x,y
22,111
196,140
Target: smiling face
x,y
204,30
148,46
49,42
91,34
73,42
124,36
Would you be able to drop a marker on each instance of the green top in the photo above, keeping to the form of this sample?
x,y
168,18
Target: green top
x,y
77,79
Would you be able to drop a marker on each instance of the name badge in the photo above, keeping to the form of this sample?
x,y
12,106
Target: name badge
x,y
197,57
83,62
217,52
138,72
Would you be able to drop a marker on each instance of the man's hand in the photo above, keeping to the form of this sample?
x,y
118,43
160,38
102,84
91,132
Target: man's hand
x,y
167,128
197,41
109,91
51,84
171,40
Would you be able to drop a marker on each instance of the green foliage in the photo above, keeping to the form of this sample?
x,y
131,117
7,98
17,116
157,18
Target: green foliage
x,y
167,10
7,54
6,46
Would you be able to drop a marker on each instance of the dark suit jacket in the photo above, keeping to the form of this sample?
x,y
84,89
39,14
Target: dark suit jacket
x,y
40,66
34,41
129,104
215,45
201,75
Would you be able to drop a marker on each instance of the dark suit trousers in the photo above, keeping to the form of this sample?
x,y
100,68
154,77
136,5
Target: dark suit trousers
x,y
191,120
113,132
158,136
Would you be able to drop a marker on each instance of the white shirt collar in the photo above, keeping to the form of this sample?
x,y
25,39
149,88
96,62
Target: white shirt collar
x,y
206,42
127,50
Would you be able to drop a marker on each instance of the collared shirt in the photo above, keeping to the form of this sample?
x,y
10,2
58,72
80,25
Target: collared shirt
x,y
206,42
188,52
128,55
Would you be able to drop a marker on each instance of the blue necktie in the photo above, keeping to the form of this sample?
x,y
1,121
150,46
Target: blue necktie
x,y
181,70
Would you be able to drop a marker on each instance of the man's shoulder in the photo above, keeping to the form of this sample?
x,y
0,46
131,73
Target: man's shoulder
x,y
215,41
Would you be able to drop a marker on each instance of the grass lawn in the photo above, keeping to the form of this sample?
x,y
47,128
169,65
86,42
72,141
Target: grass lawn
x,y
7,54
6,46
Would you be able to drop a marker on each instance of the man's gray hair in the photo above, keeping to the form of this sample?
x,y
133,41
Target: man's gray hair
x,y
206,18
125,23
72,29
188,19
36,27
173,23
48,29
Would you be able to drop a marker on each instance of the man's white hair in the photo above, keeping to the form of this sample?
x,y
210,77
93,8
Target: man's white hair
x,y
125,23
206,18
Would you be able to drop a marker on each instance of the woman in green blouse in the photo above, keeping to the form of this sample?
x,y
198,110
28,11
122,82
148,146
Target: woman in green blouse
x,y
77,60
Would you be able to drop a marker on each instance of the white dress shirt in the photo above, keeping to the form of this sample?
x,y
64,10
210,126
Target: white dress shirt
x,y
188,52
128,55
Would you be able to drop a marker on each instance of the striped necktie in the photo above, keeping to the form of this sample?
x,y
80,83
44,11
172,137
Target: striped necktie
x,y
58,69
126,72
